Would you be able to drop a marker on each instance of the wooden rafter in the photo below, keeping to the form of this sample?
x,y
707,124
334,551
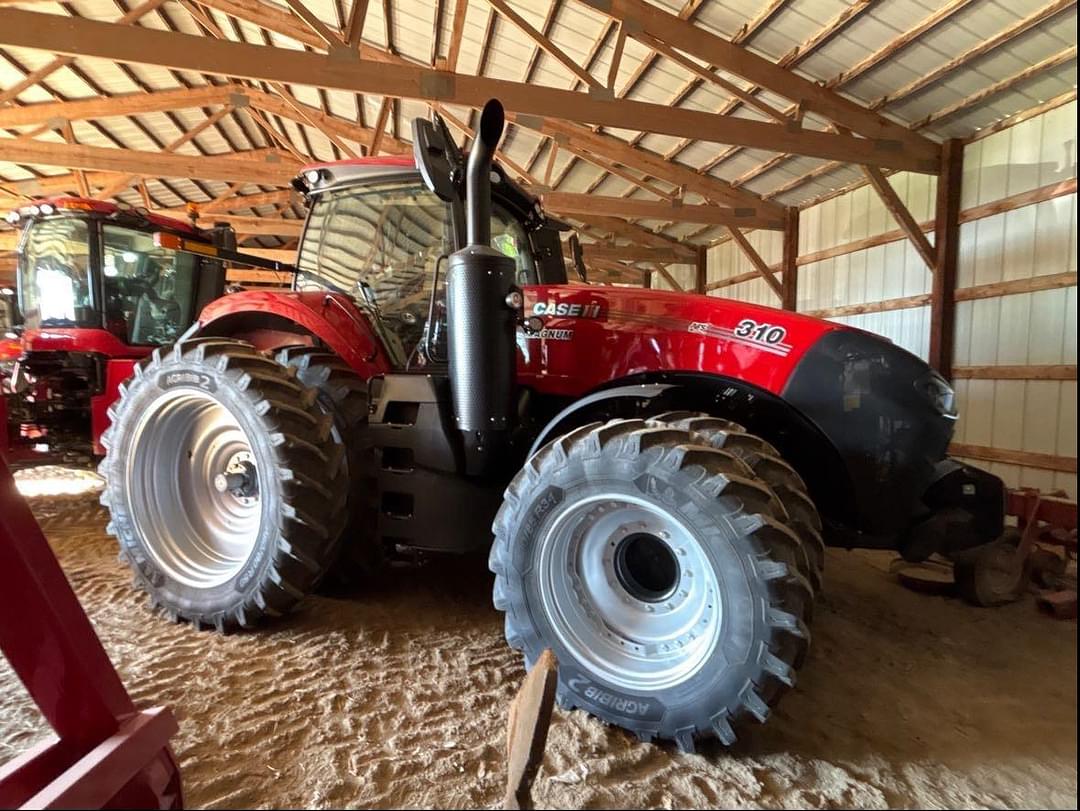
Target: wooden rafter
x,y
186,52
714,49
633,208
974,53
50,68
261,166
891,49
544,42
762,269
355,29
122,183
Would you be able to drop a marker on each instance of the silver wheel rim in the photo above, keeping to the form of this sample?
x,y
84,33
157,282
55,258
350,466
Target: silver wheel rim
x,y
639,627
193,488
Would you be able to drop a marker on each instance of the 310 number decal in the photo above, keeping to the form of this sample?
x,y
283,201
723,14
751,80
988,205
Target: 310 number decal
x,y
760,331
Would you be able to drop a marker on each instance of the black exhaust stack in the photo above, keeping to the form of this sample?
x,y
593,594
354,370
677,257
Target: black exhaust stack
x,y
482,301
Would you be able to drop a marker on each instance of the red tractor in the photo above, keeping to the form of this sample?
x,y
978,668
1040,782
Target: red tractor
x,y
95,295
660,471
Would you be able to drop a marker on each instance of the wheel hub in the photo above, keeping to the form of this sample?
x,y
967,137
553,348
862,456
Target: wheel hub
x,y
629,589
239,478
194,488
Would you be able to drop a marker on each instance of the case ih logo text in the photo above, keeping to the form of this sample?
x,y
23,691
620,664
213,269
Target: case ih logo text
x,y
567,309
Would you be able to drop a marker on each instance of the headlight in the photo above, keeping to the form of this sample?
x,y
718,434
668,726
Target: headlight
x,y
939,393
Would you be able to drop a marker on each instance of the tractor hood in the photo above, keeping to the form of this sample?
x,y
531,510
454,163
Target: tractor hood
x,y
621,331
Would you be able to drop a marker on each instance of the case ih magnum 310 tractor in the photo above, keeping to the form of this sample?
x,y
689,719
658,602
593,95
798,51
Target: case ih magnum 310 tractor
x,y
95,294
652,465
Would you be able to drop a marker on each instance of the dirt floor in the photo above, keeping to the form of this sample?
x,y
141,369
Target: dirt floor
x,y
396,697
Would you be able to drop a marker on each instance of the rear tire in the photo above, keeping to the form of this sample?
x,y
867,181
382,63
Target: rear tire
x,y
226,491
659,572
343,395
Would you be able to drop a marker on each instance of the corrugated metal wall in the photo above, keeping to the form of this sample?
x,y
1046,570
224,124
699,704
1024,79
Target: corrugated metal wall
x,y
1027,328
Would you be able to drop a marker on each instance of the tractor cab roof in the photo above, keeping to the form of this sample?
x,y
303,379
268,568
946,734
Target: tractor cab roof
x,y
100,208
320,177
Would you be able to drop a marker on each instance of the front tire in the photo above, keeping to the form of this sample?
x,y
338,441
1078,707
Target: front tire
x,y
662,576
225,488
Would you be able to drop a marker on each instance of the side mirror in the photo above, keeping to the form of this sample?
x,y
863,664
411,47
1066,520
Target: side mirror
x,y
578,255
438,157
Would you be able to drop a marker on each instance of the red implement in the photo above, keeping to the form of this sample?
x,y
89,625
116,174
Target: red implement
x,y
105,751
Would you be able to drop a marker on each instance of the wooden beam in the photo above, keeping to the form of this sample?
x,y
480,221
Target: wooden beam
x,y
706,75
121,105
121,183
1022,372
1051,281
762,269
571,203
42,73
671,280
947,243
886,52
380,126
616,227
256,167
631,253
139,45
901,215
1033,284
885,306
295,105
643,160
789,298
355,29
616,57
1042,461
895,46
457,30
1015,201
240,202
811,96
330,38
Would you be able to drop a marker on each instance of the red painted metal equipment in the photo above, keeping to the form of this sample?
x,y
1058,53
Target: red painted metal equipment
x,y
106,752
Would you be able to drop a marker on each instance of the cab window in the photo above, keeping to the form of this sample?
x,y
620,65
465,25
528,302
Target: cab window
x,y
379,243
149,291
509,237
54,274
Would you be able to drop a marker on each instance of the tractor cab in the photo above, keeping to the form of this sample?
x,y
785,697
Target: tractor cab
x,y
95,293
379,231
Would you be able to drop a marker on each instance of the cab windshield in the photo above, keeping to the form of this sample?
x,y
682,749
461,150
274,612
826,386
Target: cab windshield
x,y
379,243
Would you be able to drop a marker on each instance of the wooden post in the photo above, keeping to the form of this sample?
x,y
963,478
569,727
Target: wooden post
x,y
946,247
790,267
702,270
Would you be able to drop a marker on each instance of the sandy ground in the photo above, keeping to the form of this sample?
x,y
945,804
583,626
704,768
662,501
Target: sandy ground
x,y
396,697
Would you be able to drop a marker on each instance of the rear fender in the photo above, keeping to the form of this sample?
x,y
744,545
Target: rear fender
x,y
801,443
271,320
